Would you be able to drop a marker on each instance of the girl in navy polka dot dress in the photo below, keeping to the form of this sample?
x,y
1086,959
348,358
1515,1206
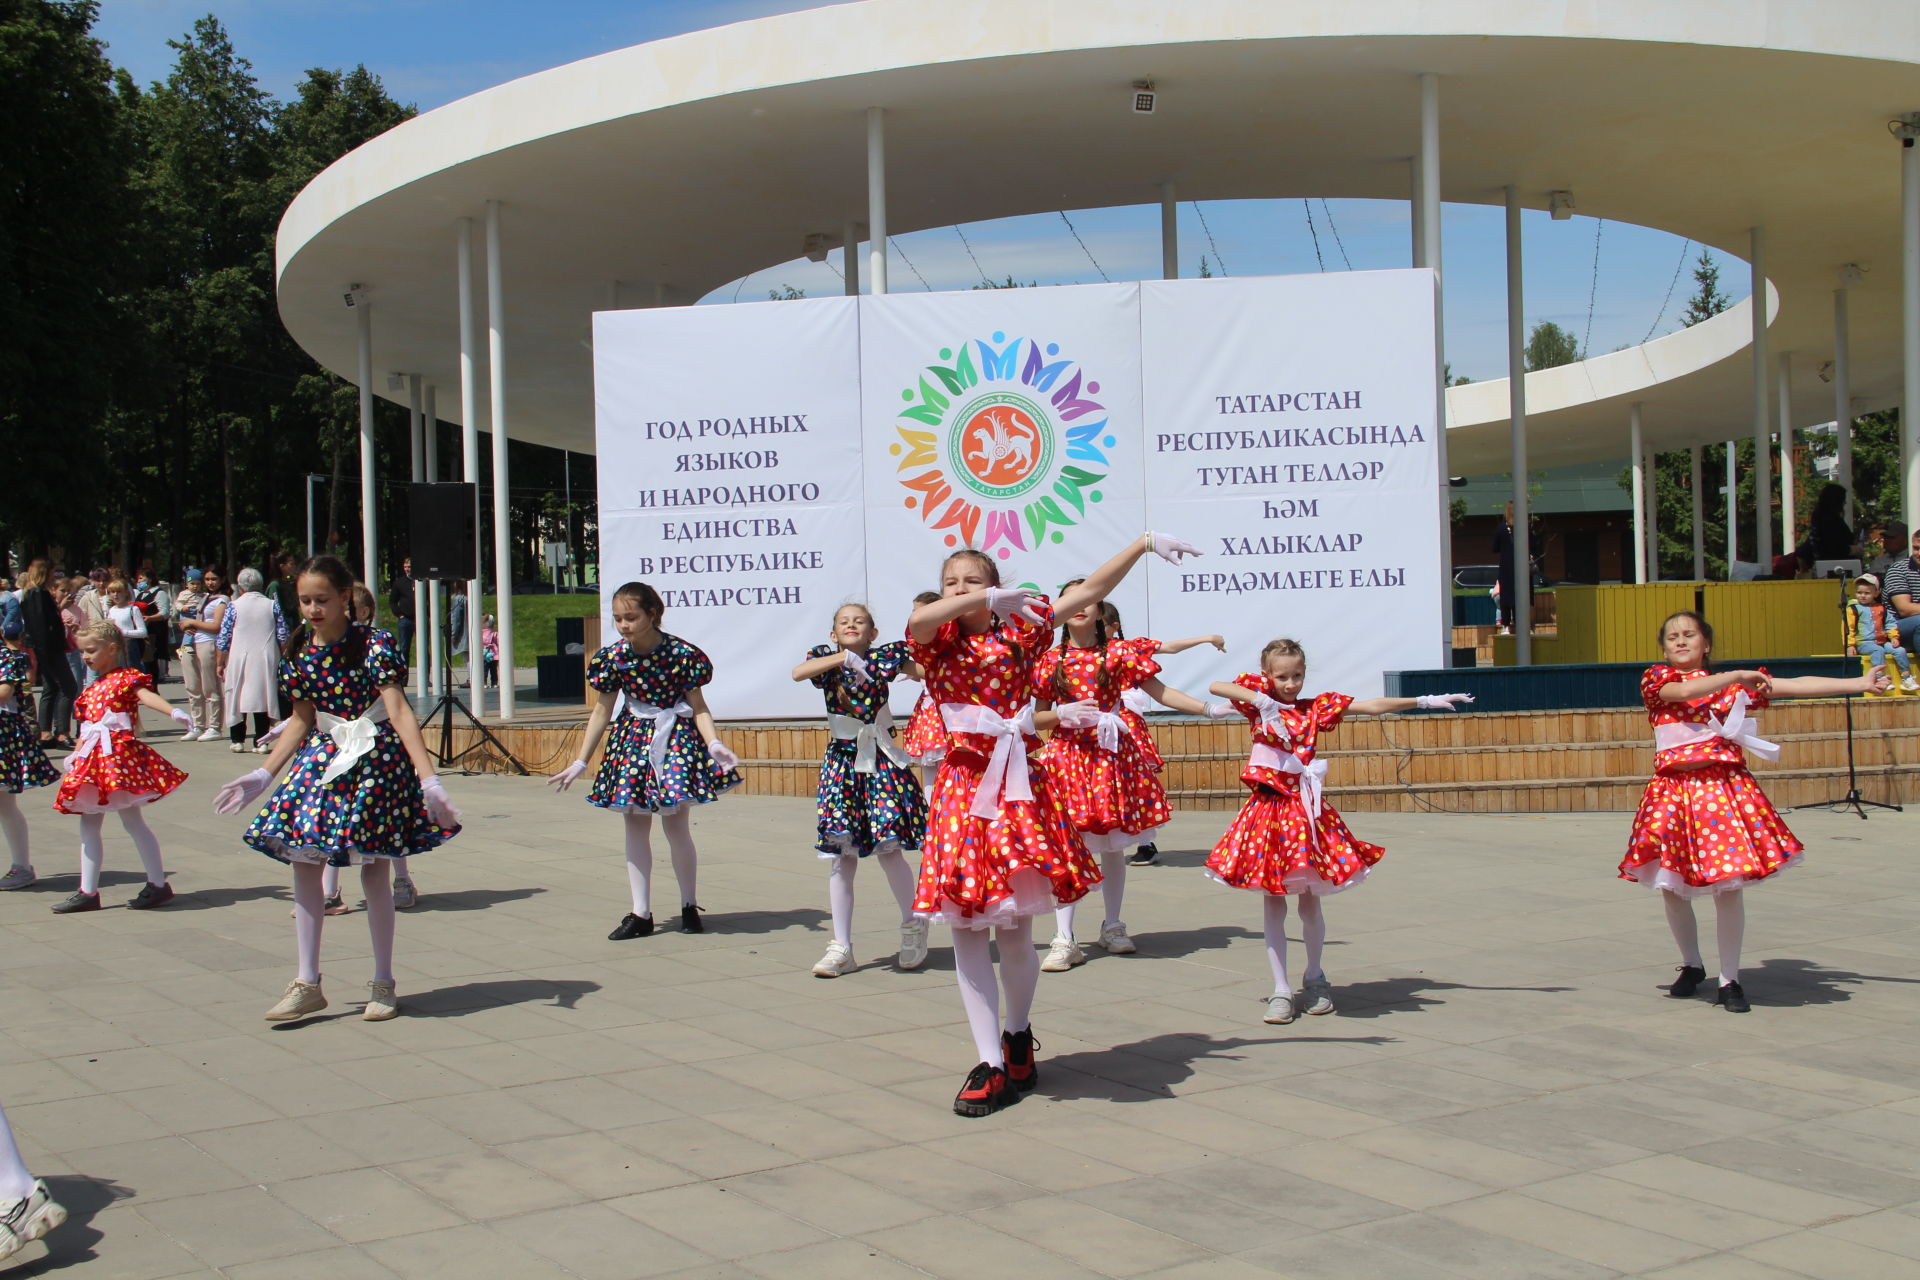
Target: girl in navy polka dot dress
x,y
23,764
362,790
663,754
870,803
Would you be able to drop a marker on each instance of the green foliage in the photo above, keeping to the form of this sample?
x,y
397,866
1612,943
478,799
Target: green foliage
x,y
1008,283
1707,299
1549,345
786,293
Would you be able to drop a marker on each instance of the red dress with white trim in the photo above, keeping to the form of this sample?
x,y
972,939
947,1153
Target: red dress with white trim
x,y
926,738
999,842
1107,773
111,768
1286,839
1704,826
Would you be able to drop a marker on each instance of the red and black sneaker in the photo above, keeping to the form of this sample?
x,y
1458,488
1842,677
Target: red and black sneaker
x,y
985,1092
1018,1047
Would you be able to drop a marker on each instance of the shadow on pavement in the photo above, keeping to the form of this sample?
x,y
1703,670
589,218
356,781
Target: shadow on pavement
x,y
73,1241
454,1002
1787,982
750,921
469,899
1405,995
1146,1069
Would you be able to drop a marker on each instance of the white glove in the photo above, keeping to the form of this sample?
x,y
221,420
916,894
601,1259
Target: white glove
x,y
855,663
567,776
1170,548
1078,715
242,791
1270,716
1440,701
180,717
721,754
439,807
268,738
1015,602
1222,710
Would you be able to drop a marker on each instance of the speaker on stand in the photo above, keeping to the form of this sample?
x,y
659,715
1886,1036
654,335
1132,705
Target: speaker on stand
x,y
443,526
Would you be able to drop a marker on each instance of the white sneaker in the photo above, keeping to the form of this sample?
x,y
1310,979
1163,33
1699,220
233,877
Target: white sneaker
x,y
913,945
1909,684
405,896
1063,953
382,1003
838,960
237,747
1280,1010
1113,937
28,1219
302,998
211,735
1319,995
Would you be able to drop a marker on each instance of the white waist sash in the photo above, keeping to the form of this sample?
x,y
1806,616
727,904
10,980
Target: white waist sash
x,y
663,718
95,734
1737,728
1311,777
870,740
1006,776
351,738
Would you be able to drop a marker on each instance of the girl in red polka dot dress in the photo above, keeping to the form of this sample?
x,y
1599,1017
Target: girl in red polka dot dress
x,y
926,737
1000,847
1108,772
112,771
1285,841
1704,828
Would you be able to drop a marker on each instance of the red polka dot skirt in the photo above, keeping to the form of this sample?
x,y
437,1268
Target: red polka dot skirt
x,y
1704,831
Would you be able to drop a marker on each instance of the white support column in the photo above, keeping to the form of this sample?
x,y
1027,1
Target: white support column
x,y
435,643
1429,217
1652,472
1638,445
369,551
876,200
1788,522
1733,505
1169,233
417,437
1842,399
1517,438
497,421
1415,201
1762,426
470,454
1910,321
850,257
1694,480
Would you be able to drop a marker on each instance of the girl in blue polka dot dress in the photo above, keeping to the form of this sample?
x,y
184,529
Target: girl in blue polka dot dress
x,y
362,790
870,802
663,754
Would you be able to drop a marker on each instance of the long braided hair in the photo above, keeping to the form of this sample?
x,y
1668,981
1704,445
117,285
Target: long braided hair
x,y
1103,613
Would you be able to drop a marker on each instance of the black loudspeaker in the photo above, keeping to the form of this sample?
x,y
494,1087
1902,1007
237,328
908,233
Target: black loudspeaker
x,y
443,524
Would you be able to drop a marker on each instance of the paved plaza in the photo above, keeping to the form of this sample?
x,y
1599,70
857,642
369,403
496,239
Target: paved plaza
x,y
1503,1093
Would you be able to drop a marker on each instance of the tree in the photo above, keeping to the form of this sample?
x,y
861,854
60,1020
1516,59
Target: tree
x,y
786,293
1008,283
1707,300
1549,345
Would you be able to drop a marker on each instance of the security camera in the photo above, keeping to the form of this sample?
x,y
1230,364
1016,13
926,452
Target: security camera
x,y
1144,98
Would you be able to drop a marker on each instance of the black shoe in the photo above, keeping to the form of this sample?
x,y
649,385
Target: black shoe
x,y
1144,855
1732,997
1690,980
690,919
1018,1046
151,895
77,902
985,1092
631,926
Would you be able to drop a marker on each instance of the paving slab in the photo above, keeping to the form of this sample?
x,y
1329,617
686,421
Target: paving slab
x,y
1503,1091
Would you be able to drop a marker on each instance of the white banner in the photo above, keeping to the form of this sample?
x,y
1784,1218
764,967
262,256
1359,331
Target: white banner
x,y
1292,440
761,464
729,462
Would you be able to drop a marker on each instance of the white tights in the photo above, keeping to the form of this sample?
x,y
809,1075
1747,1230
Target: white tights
x,y
1113,891
14,823
93,852
840,889
1730,926
686,859
15,1182
309,912
980,993
1313,932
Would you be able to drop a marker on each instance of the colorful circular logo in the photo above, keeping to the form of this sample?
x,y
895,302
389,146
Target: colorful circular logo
x,y
1002,444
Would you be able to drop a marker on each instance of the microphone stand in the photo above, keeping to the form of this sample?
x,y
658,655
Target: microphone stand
x,y
1853,799
450,702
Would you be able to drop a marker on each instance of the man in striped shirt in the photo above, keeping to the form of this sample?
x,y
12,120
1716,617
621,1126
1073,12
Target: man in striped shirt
x,y
1902,593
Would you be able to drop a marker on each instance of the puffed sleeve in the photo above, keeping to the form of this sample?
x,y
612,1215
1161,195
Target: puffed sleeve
x,y
1652,681
944,642
1252,683
384,661
1035,637
1329,709
293,682
1134,660
1046,670
829,678
603,670
1756,700
885,660
696,668
127,696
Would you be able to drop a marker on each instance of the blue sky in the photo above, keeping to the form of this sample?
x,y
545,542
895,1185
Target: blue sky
x,y
430,52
